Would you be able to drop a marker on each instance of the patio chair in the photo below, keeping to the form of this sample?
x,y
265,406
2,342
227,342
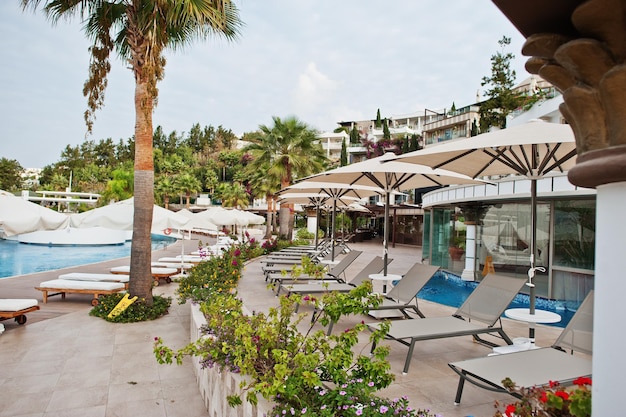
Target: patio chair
x,y
479,314
538,366
333,274
373,267
16,308
403,296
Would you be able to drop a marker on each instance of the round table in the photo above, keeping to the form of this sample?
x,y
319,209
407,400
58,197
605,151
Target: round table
x,y
385,278
540,316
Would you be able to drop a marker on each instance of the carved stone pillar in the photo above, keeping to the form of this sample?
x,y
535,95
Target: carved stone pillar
x,y
588,65
590,70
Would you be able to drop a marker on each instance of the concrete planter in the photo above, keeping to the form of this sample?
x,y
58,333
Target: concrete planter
x,y
215,386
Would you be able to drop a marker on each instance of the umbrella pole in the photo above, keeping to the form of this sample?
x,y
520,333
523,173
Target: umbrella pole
x,y
386,233
317,222
332,231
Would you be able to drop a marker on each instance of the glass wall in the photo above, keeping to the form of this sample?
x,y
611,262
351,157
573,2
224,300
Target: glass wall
x,y
565,238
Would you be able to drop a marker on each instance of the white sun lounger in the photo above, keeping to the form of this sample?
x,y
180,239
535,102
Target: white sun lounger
x,y
157,273
16,308
86,276
186,259
66,286
178,265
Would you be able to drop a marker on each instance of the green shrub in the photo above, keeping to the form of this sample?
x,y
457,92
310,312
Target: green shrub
x,y
304,234
137,311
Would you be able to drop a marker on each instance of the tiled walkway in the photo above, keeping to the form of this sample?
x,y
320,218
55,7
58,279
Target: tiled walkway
x,y
65,363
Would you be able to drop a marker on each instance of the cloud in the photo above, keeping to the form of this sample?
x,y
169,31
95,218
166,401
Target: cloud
x,y
314,89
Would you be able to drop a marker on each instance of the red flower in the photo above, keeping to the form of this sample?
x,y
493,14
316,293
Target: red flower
x,y
553,384
582,381
562,394
510,410
544,397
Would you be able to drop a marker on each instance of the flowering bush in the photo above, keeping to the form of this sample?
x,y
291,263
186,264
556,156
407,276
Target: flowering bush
x,y
303,373
214,275
552,400
354,398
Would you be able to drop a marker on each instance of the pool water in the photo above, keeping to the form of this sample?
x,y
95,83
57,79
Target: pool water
x,y
20,258
451,290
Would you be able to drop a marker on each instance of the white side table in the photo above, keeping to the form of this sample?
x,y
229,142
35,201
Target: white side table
x,y
385,278
540,316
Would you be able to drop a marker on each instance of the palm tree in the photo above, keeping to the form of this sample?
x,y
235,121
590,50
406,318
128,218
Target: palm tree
x,y
140,31
291,150
234,195
188,184
165,187
263,184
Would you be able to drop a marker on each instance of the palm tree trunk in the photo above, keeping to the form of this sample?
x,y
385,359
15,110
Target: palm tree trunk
x,y
268,220
141,281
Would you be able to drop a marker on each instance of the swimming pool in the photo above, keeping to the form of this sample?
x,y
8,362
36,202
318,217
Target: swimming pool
x,y
451,290
19,258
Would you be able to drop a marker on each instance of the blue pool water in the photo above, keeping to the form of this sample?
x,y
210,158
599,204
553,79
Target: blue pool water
x,y
451,290
19,258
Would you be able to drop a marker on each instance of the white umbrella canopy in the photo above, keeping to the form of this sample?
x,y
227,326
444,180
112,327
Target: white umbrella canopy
x,y
197,221
391,176
224,217
314,199
19,216
120,216
336,191
318,200
503,152
532,150
251,218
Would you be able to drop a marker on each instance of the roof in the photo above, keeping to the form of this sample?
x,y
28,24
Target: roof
x,y
540,16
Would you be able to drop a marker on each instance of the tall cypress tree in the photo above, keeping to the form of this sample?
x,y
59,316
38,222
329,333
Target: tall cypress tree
x,y
344,154
378,123
501,99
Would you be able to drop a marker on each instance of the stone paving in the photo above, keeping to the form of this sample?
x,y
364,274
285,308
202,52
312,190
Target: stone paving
x,y
63,362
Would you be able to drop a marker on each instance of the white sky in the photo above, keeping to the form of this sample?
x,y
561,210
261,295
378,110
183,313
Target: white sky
x,y
323,61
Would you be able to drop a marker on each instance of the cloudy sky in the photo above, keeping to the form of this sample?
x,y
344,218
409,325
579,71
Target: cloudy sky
x,y
323,61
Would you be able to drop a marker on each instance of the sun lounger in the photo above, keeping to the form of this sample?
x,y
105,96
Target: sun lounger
x,y
185,259
479,314
66,286
334,274
373,267
86,276
16,308
535,367
157,273
180,266
403,296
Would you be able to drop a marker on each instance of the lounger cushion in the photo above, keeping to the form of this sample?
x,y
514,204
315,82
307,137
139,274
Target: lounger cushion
x,y
154,270
17,304
84,276
69,284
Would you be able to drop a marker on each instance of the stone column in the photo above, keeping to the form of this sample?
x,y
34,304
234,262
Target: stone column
x,y
589,67
468,273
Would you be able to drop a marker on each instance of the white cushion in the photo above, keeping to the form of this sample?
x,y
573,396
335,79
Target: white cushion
x,y
84,276
69,284
16,304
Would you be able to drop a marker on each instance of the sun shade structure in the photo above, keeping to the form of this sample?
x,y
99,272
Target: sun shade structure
x,y
119,216
391,176
317,200
531,150
19,216
335,192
